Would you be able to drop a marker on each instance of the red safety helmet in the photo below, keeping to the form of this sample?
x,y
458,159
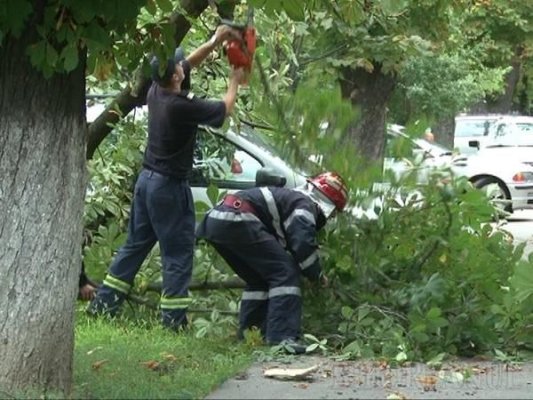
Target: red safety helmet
x,y
333,187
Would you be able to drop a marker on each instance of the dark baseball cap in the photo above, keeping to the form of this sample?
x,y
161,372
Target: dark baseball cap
x,y
164,77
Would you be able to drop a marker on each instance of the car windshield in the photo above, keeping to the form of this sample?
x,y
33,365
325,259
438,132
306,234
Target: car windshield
x,y
525,127
260,139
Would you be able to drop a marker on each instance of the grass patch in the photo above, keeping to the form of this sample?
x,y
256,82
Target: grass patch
x,y
117,359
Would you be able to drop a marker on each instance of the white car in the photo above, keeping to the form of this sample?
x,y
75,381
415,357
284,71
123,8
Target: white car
x,y
418,154
503,172
476,131
232,161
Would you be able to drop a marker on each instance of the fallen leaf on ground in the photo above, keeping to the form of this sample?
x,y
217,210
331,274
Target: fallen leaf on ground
x,y
98,364
428,382
289,373
480,370
152,364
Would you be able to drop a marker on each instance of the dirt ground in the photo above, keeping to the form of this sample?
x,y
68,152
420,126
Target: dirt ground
x,y
372,380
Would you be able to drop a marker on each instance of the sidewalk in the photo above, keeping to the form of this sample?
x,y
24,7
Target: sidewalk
x,y
370,380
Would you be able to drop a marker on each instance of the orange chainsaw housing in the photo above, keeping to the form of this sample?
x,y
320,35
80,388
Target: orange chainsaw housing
x,y
241,54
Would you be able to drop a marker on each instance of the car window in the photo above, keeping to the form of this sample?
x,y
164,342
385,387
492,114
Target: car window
x,y
525,127
502,130
464,128
217,160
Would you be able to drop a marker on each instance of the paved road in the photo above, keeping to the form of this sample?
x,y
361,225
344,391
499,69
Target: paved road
x,y
370,380
520,224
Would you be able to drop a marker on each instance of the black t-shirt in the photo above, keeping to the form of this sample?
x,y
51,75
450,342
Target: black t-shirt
x,y
173,120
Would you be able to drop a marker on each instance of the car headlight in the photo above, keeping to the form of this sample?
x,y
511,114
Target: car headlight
x,y
523,177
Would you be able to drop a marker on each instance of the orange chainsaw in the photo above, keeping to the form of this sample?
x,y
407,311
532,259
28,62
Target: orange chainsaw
x,y
240,53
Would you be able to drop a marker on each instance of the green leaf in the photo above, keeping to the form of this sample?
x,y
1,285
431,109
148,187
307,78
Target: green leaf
x,y
392,6
70,57
212,193
13,15
256,3
401,356
310,337
434,313
165,5
362,313
84,11
95,33
37,53
522,281
294,9
311,347
436,361
346,312
151,7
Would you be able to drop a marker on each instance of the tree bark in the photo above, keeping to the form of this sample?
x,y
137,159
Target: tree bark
x,y
443,131
135,96
370,92
42,165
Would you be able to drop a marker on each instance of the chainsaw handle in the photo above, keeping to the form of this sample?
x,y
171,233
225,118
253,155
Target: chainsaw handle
x,y
234,25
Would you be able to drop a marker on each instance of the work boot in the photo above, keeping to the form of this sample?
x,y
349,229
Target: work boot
x,y
100,307
292,346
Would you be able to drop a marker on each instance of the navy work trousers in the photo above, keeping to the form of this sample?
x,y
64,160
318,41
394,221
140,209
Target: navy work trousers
x,y
271,300
163,211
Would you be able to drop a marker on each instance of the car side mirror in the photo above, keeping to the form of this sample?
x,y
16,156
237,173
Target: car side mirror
x,y
473,143
269,177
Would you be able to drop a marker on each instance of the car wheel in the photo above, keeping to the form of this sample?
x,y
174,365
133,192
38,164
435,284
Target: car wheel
x,y
496,192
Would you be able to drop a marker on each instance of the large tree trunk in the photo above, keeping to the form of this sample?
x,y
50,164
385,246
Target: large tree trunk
x,y
370,92
42,165
443,131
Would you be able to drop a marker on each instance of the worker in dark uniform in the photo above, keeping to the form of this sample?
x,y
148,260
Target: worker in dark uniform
x,y
86,287
268,236
163,208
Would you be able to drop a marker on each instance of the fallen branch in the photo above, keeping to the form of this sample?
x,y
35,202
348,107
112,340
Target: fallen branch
x,y
155,306
234,283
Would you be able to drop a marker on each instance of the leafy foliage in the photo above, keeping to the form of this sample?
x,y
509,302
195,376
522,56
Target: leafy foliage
x,y
425,278
429,276
112,176
444,85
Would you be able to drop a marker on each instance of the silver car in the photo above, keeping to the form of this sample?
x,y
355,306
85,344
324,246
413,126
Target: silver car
x,y
234,161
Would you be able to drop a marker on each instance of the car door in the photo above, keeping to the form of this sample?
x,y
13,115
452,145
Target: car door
x,y
220,162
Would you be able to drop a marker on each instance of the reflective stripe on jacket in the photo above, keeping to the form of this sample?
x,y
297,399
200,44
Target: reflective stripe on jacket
x,y
288,215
